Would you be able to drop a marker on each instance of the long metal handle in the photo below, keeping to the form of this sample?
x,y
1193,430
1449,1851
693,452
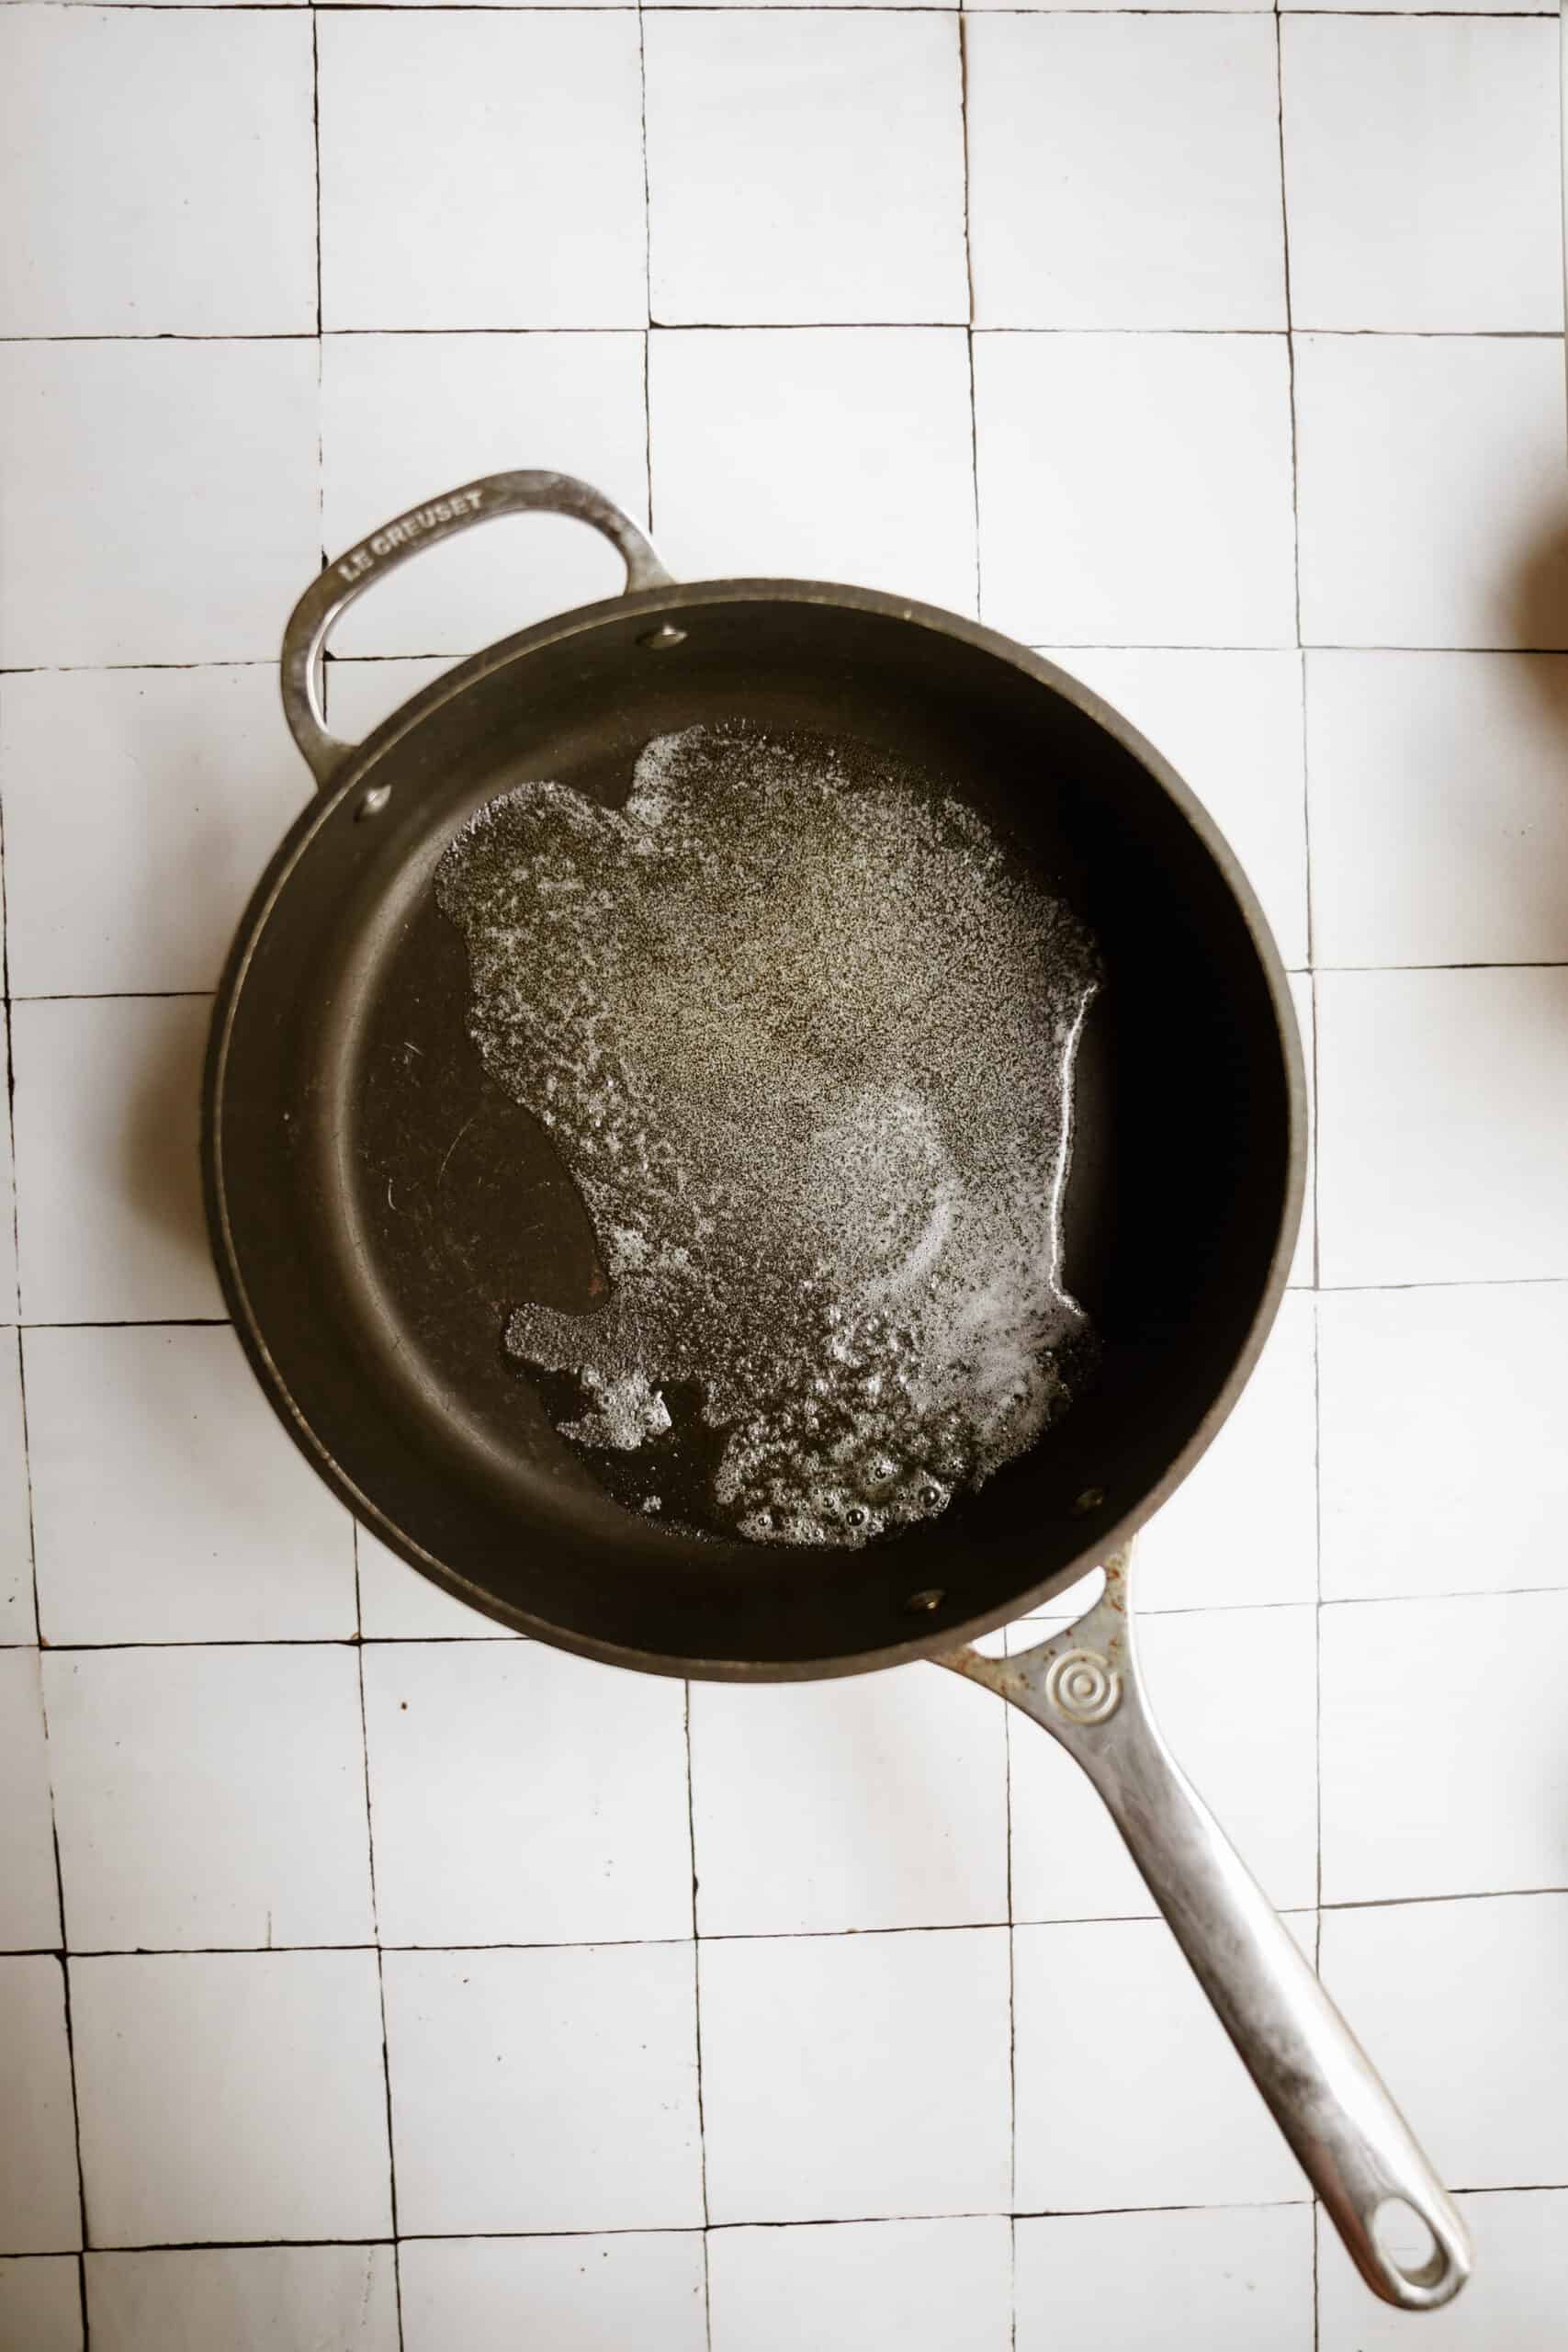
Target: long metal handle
x,y
1352,2142
316,615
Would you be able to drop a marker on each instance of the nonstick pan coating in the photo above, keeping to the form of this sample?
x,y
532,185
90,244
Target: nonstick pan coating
x,y
378,1202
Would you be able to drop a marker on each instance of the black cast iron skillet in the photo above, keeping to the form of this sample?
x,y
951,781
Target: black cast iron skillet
x,y
377,1203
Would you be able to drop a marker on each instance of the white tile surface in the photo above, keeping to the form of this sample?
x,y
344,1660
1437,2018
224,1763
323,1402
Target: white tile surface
x,y
1229,723
30,1893
1516,2296
141,806
40,2209
167,510
201,125
1442,1127
1440,824
247,2299
544,2090
481,169
876,1801
1421,173
790,455
1235,1690
1430,490
170,1507
363,691
210,1798
1423,1793
407,416
1441,1468
570,2294
397,1604
271,2064
864,2286
846,2077
105,1106
522,1796
1154,508
1230,2280
1303,1265
1072,118
1459,2006
7,1232
776,194
19,1616
1242,1528
40,2304
1159,2111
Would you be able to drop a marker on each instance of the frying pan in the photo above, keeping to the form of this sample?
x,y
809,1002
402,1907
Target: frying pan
x,y
377,1202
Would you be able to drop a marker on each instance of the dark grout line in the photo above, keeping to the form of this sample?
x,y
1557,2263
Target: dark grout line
x,y
112,996
697,2012
969,330
1133,333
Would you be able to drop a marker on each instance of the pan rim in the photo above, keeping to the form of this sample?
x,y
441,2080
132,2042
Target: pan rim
x,y
321,810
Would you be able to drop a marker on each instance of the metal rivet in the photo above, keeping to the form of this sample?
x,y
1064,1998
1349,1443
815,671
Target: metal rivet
x,y
661,639
373,803
925,1601
1090,1500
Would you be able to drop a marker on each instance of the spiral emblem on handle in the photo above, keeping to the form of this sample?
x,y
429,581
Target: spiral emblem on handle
x,y
1083,1686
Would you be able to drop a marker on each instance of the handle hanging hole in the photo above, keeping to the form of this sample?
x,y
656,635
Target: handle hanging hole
x,y
1407,2243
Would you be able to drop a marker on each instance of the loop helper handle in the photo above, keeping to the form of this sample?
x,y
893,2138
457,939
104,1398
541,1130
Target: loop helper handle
x,y
316,615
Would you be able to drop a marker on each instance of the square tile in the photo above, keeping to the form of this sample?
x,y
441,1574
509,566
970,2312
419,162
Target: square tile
x,y
1443,1469
1242,1527
41,2205
864,2286
1439,138
1240,2278
30,1893
544,2090
183,1782
1231,725
404,416
526,211
1060,229
1419,1797
790,455
1235,1692
1439,825
170,1505
168,508
1516,2297
1442,1126
18,1611
846,2077
1303,1265
272,2064
1459,2007
777,196
207,117
141,806
1432,506
40,2304
870,1801
7,1244
245,2298
398,1604
576,2294
522,1796
106,1106
1159,2113
1157,507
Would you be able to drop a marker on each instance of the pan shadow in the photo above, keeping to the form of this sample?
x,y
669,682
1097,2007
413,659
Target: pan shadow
x,y
160,1165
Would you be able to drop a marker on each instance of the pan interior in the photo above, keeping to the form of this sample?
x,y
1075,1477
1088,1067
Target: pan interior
x,y
383,1200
